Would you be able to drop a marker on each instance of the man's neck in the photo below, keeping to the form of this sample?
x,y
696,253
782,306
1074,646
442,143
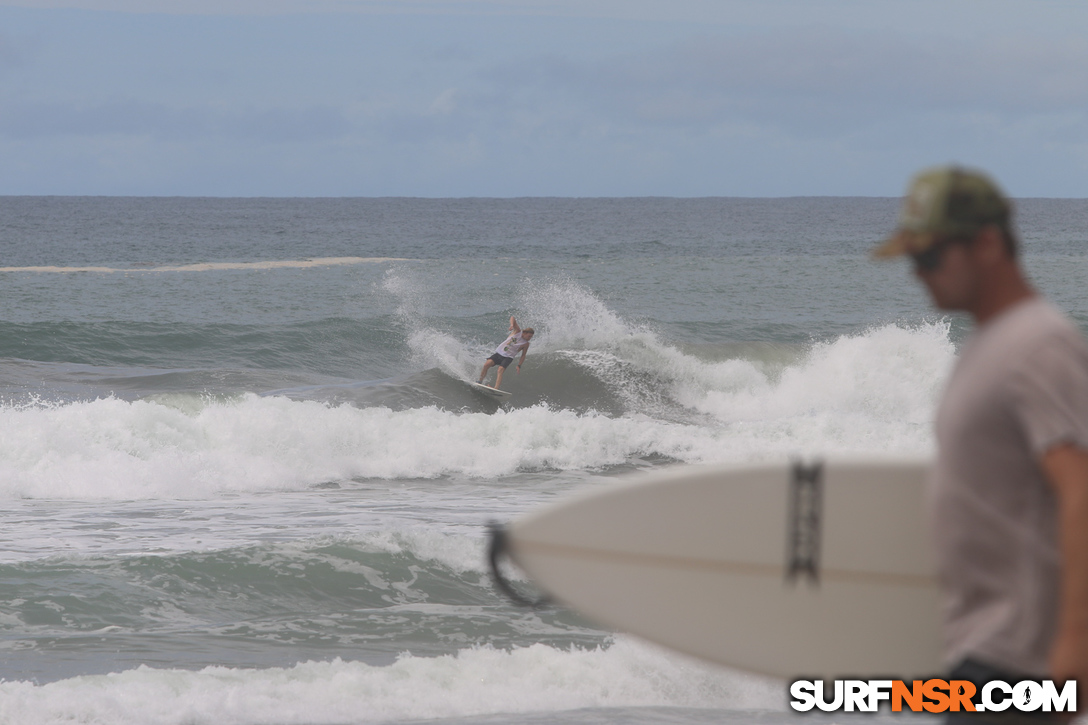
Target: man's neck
x,y
1003,291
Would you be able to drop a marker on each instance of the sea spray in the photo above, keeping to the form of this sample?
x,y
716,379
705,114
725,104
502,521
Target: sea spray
x,y
571,315
430,347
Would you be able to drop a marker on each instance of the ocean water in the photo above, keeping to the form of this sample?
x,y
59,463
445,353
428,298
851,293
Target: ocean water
x,y
243,483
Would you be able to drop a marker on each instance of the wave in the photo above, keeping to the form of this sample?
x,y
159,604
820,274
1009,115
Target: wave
x,y
337,347
596,392
474,682
868,393
587,357
368,598
189,447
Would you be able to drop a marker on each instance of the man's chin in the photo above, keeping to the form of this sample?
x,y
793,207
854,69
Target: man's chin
x,y
945,303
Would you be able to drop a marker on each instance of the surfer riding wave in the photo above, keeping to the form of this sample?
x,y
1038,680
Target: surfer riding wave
x,y
517,341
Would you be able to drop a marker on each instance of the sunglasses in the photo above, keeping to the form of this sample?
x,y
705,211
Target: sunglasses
x,y
930,259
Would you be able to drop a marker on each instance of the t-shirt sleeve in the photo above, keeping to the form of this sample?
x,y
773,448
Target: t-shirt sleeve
x,y
1050,394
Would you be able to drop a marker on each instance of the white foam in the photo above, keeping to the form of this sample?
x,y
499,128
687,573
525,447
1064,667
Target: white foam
x,y
111,448
458,553
867,393
474,682
874,391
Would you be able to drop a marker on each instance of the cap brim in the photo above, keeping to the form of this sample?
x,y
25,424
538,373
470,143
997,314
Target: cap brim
x,y
903,242
894,246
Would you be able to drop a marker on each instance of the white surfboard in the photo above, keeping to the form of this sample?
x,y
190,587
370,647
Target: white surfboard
x,y
487,390
784,570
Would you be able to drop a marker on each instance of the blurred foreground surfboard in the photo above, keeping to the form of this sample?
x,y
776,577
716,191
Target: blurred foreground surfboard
x,y
790,570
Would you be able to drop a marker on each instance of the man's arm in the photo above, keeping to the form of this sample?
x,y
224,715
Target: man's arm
x,y
514,325
524,352
1067,468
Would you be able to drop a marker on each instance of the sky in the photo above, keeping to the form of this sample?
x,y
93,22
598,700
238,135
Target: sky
x,y
506,98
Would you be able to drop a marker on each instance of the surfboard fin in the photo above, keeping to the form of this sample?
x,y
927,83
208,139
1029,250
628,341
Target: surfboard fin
x,y
496,550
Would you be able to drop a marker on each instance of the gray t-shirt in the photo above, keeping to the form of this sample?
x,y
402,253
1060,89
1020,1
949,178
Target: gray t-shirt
x,y
1019,388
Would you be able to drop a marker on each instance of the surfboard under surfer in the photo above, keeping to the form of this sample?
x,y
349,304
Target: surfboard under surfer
x,y
517,341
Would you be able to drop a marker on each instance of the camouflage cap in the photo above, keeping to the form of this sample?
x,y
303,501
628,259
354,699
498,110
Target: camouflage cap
x,y
945,202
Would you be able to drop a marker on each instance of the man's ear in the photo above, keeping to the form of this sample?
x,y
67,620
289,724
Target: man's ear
x,y
989,245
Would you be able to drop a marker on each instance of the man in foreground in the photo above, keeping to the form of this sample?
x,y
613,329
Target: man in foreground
x,y
1009,491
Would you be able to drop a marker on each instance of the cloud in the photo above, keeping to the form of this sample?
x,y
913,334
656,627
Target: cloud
x,y
647,10
160,121
821,78
643,9
455,106
444,104
10,53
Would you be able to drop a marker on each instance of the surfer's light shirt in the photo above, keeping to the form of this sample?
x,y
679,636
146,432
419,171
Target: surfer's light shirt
x,y
512,345
1019,388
